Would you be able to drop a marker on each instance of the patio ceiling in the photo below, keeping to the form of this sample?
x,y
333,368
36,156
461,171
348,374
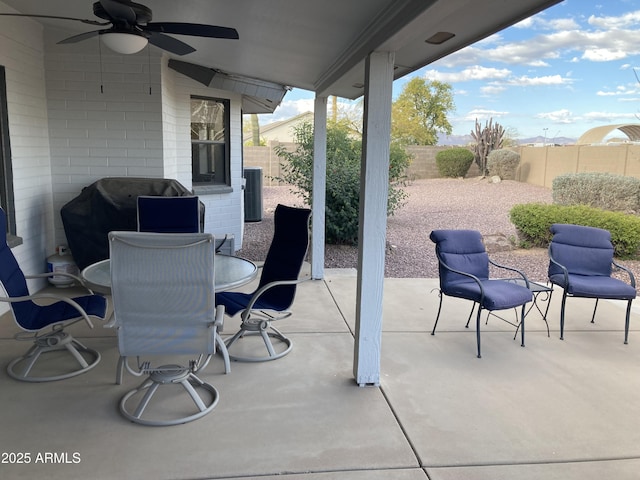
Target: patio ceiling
x,y
314,45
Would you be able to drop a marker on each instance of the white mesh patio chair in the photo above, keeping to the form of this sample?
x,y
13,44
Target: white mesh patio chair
x,y
164,305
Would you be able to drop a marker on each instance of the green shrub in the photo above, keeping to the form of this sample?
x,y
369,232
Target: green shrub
x,y
599,190
533,221
503,163
454,162
343,177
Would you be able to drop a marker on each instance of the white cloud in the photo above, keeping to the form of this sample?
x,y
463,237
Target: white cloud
x,y
526,81
490,90
563,24
603,54
619,40
475,72
608,117
484,114
609,23
288,109
563,116
620,90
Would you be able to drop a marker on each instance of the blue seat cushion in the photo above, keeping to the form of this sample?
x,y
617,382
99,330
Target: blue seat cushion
x,y
34,317
236,301
498,294
599,286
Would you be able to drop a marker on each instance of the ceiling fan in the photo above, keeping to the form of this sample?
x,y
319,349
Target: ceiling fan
x,y
131,28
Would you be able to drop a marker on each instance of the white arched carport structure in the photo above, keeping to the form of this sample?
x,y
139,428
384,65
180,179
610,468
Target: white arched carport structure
x,y
598,134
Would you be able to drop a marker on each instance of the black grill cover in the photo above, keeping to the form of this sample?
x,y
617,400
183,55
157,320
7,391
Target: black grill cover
x,y
106,205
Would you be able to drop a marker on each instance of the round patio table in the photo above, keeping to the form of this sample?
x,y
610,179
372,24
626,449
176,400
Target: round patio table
x,y
230,272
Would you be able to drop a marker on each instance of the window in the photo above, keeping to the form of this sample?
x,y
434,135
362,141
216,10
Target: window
x,y
210,133
6,172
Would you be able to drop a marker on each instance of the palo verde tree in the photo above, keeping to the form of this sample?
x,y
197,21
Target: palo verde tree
x,y
420,112
343,177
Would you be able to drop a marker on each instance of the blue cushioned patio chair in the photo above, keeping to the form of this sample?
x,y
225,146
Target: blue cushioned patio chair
x,y
463,265
581,263
163,214
277,288
162,286
44,323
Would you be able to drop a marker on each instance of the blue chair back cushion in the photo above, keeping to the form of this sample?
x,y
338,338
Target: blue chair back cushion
x,y
169,214
582,250
283,262
461,250
28,314
464,250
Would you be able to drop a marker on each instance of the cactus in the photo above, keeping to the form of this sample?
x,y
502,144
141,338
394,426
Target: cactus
x,y
487,139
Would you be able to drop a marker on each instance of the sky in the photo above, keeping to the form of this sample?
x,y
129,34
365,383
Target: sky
x,y
559,73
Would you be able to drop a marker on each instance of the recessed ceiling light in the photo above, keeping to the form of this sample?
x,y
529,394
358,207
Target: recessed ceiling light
x,y
440,37
358,85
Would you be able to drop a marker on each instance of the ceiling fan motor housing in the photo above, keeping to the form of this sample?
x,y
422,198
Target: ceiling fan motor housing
x,y
143,13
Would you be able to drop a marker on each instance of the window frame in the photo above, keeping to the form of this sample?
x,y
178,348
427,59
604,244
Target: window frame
x,y
226,184
6,168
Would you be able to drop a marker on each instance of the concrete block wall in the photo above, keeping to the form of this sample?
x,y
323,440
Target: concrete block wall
x,y
422,166
540,165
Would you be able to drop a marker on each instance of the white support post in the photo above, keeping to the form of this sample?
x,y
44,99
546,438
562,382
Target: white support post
x,y
319,187
374,191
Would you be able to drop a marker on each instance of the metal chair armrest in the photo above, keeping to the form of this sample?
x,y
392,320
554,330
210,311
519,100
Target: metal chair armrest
x,y
76,278
512,269
53,296
632,278
562,267
473,277
219,318
256,296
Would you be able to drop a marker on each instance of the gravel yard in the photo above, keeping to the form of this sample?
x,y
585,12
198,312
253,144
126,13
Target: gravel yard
x,y
473,203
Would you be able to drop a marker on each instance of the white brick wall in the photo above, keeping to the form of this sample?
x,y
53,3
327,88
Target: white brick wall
x,y
126,131
66,133
105,118
21,54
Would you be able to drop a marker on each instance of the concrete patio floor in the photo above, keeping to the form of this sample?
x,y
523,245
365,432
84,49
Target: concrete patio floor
x,y
554,409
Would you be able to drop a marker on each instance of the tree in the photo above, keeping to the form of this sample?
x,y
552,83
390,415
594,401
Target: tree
x,y
420,112
343,177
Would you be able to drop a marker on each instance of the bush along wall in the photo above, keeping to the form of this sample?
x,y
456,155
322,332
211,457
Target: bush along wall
x,y
601,190
534,220
454,162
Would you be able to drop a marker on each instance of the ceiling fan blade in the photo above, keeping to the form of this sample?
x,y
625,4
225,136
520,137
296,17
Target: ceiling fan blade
x,y
194,29
54,17
170,44
80,37
119,10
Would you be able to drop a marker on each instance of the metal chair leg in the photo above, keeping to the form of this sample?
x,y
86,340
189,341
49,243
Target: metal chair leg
x,y
593,317
471,314
478,328
522,325
433,332
626,323
564,301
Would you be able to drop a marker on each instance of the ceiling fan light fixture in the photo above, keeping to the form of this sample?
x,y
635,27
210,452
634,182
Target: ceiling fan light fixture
x,y
124,43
